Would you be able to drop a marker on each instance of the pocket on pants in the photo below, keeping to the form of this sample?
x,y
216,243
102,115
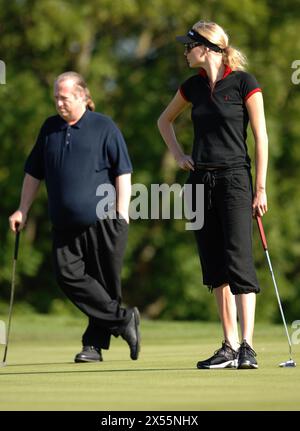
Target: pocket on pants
x,y
241,181
121,220
238,192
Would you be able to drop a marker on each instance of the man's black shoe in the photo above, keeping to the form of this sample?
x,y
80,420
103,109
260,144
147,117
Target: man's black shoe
x,y
225,357
247,355
131,334
89,354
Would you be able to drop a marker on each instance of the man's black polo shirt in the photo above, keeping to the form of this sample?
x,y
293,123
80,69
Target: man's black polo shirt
x,y
220,117
74,161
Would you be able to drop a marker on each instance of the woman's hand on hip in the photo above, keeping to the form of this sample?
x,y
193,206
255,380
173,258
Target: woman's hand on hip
x,y
186,162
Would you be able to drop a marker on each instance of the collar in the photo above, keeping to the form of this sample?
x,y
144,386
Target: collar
x,y
227,71
64,125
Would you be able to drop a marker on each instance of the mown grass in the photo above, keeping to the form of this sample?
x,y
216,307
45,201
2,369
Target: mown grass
x,y
40,373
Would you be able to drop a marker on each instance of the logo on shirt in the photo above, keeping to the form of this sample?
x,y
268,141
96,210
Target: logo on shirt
x,y
226,98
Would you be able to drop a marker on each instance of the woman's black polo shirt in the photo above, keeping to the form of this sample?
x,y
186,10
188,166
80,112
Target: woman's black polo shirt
x,y
74,161
220,117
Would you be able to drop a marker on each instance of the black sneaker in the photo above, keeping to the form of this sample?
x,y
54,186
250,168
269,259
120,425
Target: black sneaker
x,y
131,334
225,357
246,359
89,354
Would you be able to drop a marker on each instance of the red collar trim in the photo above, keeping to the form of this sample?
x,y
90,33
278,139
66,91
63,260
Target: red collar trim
x,y
202,72
227,71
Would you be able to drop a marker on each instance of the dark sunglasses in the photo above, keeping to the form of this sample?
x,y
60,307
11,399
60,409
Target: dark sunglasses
x,y
189,46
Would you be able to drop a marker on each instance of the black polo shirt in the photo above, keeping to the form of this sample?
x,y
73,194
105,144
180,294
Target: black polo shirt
x,y
220,117
74,161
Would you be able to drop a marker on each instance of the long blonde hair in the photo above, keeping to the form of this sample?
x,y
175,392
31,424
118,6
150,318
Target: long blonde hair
x,y
232,57
80,84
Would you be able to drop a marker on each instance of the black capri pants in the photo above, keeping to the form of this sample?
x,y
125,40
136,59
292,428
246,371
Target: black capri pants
x,y
225,240
88,265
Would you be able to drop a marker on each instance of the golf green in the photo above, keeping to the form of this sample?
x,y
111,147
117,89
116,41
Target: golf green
x,y
40,373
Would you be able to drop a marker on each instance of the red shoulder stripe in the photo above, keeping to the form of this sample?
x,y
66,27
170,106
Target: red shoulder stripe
x,y
252,92
182,94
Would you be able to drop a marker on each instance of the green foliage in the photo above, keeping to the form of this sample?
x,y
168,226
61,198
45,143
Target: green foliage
x,y
126,50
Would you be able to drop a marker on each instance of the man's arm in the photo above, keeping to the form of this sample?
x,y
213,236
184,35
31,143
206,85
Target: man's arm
x,y
123,191
29,190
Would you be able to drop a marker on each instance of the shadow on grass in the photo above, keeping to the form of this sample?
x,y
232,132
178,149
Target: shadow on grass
x,y
88,371
38,363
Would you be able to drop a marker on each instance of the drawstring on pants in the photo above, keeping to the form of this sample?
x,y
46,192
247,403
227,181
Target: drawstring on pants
x,y
209,180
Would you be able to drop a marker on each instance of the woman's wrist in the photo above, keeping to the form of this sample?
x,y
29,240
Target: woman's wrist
x,y
178,156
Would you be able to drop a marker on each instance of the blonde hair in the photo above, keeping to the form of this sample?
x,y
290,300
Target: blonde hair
x,y
232,57
80,84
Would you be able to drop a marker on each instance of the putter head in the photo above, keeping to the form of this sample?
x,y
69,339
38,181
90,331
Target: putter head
x,y
2,364
288,364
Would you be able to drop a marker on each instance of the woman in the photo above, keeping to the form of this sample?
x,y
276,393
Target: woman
x,y
223,98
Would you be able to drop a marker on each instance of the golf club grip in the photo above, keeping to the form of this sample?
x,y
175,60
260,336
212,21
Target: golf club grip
x,y
17,245
262,232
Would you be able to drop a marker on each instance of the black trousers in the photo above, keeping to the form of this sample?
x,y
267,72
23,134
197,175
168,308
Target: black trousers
x,y
225,240
88,265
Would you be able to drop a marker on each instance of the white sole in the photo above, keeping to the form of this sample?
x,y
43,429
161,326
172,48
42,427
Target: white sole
x,y
248,366
228,364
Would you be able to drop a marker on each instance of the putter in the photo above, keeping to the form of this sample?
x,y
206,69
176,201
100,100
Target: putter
x,y
12,293
2,332
290,363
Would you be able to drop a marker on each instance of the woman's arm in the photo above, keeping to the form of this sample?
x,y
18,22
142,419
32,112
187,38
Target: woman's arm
x,y
255,107
165,125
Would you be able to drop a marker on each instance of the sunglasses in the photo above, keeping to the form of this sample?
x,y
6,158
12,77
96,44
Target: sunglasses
x,y
189,46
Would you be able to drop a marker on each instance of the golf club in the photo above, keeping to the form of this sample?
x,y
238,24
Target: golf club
x,y
12,293
290,362
2,332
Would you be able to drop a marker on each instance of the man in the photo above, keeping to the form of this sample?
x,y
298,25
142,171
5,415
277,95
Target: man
x,y
76,152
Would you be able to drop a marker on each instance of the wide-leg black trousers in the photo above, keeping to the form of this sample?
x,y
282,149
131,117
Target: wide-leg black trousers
x,y
88,265
225,240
